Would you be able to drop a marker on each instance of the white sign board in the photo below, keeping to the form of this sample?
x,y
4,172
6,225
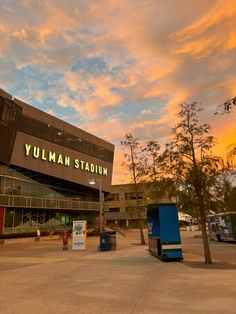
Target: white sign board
x,y
79,235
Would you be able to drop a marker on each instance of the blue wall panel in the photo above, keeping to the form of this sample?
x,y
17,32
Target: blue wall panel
x,y
169,224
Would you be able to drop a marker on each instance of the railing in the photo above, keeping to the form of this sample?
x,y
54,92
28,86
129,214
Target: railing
x,y
124,215
30,229
49,203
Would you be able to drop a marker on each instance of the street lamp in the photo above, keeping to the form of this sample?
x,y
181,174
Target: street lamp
x,y
93,182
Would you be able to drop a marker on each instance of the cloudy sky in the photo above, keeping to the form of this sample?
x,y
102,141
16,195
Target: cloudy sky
x,y
116,66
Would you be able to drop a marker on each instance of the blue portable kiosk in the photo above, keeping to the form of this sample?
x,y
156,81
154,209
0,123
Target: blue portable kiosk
x,y
163,232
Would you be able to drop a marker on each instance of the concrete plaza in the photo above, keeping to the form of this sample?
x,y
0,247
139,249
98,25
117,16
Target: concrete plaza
x,y
38,277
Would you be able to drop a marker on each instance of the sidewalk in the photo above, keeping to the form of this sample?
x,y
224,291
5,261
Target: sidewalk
x,y
38,277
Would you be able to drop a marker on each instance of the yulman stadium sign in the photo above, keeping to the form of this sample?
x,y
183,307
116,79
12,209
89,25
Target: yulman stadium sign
x,y
50,156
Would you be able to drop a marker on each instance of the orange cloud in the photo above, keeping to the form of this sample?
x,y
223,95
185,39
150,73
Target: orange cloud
x,y
224,129
120,173
216,30
162,54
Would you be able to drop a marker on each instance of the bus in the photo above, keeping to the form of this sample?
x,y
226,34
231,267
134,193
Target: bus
x,y
222,226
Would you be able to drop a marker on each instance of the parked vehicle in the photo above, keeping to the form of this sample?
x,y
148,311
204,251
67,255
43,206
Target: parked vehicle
x,y
222,226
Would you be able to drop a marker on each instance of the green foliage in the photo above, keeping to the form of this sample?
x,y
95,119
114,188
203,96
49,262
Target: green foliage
x,y
187,169
187,203
188,157
133,162
151,160
167,189
231,157
133,159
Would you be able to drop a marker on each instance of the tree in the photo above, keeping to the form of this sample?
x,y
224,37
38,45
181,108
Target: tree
x,y
229,190
151,164
167,188
189,160
152,151
231,201
227,107
187,202
231,158
163,187
133,162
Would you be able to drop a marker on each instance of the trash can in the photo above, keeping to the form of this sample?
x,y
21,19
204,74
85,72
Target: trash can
x,y
104,241
112,235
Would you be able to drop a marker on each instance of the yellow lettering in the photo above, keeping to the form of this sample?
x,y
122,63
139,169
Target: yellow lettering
x,y
60,159
67,161
36,152
87,167
27,149
52,156
76,163
43,155
105,171
82,164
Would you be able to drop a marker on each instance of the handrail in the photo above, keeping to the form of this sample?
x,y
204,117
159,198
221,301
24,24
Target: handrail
x,y
50,203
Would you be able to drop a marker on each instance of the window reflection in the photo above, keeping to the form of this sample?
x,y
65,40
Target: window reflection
x,y
52,134
19,184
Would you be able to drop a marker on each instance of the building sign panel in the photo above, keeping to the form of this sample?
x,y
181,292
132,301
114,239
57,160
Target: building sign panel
x,y
60,159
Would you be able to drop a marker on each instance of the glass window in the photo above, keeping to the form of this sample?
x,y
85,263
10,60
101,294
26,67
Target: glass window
x,y
37,128
132,195
115,197
131,209
17,187
47,215
26,217
8,186
9,217
65,219
41,217
64,204
40,191
18,217
1,185
25,188
51,203
33,189
19,201
4,199
34,216
114,210
36,202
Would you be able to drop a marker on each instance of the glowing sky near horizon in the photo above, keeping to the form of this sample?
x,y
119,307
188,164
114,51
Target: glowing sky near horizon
x,y
117,66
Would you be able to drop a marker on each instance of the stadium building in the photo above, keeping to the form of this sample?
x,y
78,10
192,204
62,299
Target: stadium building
x,y
45,167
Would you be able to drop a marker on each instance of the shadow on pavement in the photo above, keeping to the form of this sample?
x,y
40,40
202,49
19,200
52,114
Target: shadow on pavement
x,y
215,265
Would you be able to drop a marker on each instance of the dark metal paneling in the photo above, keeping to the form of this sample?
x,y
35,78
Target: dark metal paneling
x,y
9,118
52,134
54,169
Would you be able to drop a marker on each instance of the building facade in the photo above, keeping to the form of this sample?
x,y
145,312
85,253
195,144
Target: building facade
x,y
45,168
121,206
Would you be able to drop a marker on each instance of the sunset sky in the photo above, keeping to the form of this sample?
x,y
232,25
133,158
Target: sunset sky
x,y
116,66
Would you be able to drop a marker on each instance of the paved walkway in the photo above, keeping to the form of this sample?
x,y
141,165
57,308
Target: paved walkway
x,y
38,277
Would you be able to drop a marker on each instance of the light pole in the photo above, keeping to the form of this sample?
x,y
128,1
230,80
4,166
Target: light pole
x,y
93,182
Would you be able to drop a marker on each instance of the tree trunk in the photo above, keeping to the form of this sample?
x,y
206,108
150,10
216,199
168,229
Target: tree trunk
x,y
139,213
141,229
207,252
